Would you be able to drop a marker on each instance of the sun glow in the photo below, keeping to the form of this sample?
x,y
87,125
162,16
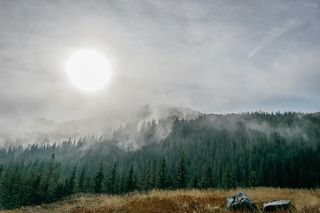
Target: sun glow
x,y
88,70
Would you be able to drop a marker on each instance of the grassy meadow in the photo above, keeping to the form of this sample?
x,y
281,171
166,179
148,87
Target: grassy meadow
x,y
307,201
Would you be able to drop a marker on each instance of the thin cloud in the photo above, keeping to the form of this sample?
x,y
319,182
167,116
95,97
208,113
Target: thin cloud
x,y
273,34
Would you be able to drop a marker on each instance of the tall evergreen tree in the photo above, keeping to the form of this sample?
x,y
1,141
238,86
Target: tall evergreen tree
x,y
89,185
51,180
228,179
147,177
163,182
123,184
71,182
1,170
150,175
253,179
182,172
98,180
195,182
131,179
154,174
35,194
81,181
113,179
207,181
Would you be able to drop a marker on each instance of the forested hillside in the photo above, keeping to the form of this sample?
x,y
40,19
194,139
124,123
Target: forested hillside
x,y
220,151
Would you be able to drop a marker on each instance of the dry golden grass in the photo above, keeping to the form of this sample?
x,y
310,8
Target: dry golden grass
x,y
306,201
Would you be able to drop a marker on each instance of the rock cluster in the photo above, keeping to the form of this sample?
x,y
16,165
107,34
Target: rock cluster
x,y
241,202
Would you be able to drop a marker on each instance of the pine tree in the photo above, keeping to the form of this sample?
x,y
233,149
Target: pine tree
x,y
113,184
163,174
147,177
181,172
6,189
131,180
207,181
253,179
1,170
98,180
150,176
10,194
195,182
71,182
60,191
123,184
51,179
35,195
153,174
228,179
81,181
88,185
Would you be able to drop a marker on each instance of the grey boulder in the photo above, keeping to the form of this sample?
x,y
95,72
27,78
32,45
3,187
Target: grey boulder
x,y
277,205
242,202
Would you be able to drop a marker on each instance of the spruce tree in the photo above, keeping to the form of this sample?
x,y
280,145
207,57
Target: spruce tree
x,y
163,174
150,176
228,179
51,179
123,184
6,189
113,184
1,170
147,176
153,174
195,182
89,185
207,181
253,179
98,180
182,172
81,181
131,180
71,182
35,195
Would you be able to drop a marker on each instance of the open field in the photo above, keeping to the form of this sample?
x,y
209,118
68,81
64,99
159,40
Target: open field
x,y
307,201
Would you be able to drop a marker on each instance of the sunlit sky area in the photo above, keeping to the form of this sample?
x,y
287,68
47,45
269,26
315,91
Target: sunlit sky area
x,y
213,56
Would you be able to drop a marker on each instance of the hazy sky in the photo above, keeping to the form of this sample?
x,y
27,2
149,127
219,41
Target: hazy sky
x,y
212,56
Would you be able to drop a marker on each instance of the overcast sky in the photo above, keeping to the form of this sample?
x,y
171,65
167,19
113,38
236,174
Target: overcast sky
x,y
212,56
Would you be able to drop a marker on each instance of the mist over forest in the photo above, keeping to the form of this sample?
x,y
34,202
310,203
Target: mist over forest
x,y
180,149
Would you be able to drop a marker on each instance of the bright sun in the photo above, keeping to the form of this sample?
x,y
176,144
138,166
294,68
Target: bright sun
x,y
88,70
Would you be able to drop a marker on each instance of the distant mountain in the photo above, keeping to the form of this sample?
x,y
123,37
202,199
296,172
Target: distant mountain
x,y
42,130
149,124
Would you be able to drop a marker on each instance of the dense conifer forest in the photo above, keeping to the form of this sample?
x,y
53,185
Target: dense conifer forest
x,y
210,151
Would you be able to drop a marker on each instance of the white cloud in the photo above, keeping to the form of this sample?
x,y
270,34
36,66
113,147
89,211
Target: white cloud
x,y
273,34
190,53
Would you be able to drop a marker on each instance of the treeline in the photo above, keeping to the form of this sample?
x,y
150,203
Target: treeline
x,y
212,151
42,182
